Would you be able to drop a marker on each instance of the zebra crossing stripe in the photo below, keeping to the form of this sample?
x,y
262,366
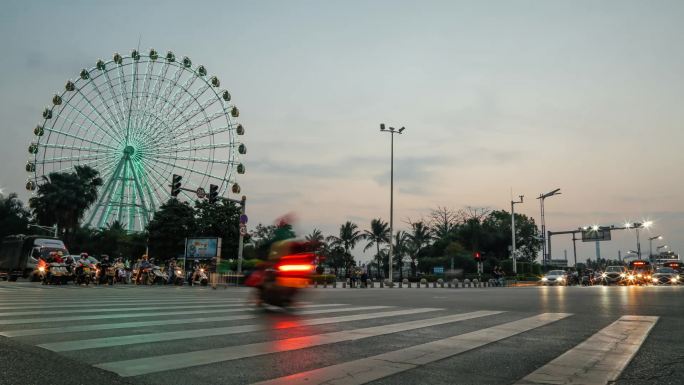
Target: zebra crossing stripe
x,y
156,364
118,309
72,305
181,321
600,359
386,364
212,332
130,315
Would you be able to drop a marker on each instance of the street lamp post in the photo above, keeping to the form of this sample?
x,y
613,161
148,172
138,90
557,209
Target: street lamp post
x,y
543,221
637,226
513,252
650,246
392,131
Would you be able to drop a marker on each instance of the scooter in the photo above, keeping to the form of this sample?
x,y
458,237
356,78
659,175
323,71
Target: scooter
x,y
280,285
200,277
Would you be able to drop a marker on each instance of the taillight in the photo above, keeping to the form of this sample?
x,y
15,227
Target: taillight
x,y
296,268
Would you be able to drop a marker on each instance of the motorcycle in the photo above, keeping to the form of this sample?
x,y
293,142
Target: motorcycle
x,y
157,276
282,283
56,274
200,277
178,277
84,274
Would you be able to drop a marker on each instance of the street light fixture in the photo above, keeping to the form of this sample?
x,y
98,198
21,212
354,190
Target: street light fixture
x,y
637,226
661,247
543,221
513,251
650,246
392,131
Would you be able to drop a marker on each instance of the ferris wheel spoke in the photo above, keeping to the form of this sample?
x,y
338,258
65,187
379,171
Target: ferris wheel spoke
x,y
115,98
110,123
196,159
189,169
70,159
103,101
145,89
189,99
72,136
202,109
179,93
183,137
79,148
157,91
166,96
88,118
211,146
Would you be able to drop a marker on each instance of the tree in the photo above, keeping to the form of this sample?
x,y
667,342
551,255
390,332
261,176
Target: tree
x,y
349,237
400,249
316,242
376,236
14,217
220,219
65,198
497,226
167,231
418,240
443,222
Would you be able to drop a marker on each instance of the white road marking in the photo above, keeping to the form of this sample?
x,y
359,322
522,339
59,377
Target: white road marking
x,y
137,315
386,364
156,364
212,332
600,359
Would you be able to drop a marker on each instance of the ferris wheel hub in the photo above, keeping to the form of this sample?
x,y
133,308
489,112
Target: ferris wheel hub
x,y
129,151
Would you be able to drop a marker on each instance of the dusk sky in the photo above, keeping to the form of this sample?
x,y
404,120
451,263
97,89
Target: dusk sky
x,y
495,95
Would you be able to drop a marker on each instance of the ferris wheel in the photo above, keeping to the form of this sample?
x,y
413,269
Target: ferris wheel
x,y
137,120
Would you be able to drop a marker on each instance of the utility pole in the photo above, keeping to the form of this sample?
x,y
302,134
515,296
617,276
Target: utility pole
x,y
513,249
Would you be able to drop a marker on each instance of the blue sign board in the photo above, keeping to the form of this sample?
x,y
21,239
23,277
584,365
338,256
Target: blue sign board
x,y
438,270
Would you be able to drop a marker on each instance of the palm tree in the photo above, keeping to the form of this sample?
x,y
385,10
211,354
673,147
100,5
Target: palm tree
x,y
349,237
400,248
418,239
65,197
377,235
317,243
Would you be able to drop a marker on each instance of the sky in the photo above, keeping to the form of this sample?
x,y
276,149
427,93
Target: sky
x,y
496,97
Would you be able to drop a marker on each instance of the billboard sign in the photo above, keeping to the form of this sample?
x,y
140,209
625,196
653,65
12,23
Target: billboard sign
x,y
591,235
202,247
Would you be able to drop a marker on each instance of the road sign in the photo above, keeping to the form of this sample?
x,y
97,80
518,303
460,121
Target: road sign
x,y
243,219
243,230
201,193
438,269
591,235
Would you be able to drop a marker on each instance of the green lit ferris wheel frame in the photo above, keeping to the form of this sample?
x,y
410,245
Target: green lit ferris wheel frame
x,y
137,120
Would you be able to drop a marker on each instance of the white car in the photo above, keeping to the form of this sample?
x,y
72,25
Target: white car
x,y
555,277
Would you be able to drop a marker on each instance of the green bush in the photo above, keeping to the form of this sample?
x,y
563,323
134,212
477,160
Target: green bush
x,y
324,278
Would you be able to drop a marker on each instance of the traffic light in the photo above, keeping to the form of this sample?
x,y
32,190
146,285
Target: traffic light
x,y
478,256
176,185
213,193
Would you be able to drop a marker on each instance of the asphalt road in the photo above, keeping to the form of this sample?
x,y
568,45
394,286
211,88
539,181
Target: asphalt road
x,y
172,335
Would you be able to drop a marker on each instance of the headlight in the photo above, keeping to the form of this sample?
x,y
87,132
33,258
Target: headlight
x,y
604,275
561,279
630,277
655,279
178,272
201,270
622,275
544,279
640,275
673,279
41,269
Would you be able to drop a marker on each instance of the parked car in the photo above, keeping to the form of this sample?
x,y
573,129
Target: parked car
x,y
614,275
665,276
555,277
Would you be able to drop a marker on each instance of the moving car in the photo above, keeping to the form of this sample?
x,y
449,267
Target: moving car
x,y
614,275
665,276
555,277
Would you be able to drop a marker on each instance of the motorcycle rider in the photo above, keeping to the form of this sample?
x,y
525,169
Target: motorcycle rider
x,y
172,270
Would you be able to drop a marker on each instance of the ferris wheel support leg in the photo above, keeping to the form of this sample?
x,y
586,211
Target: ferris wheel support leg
x,y
105,192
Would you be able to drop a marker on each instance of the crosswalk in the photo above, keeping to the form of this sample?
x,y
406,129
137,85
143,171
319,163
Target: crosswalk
x,y
189,334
